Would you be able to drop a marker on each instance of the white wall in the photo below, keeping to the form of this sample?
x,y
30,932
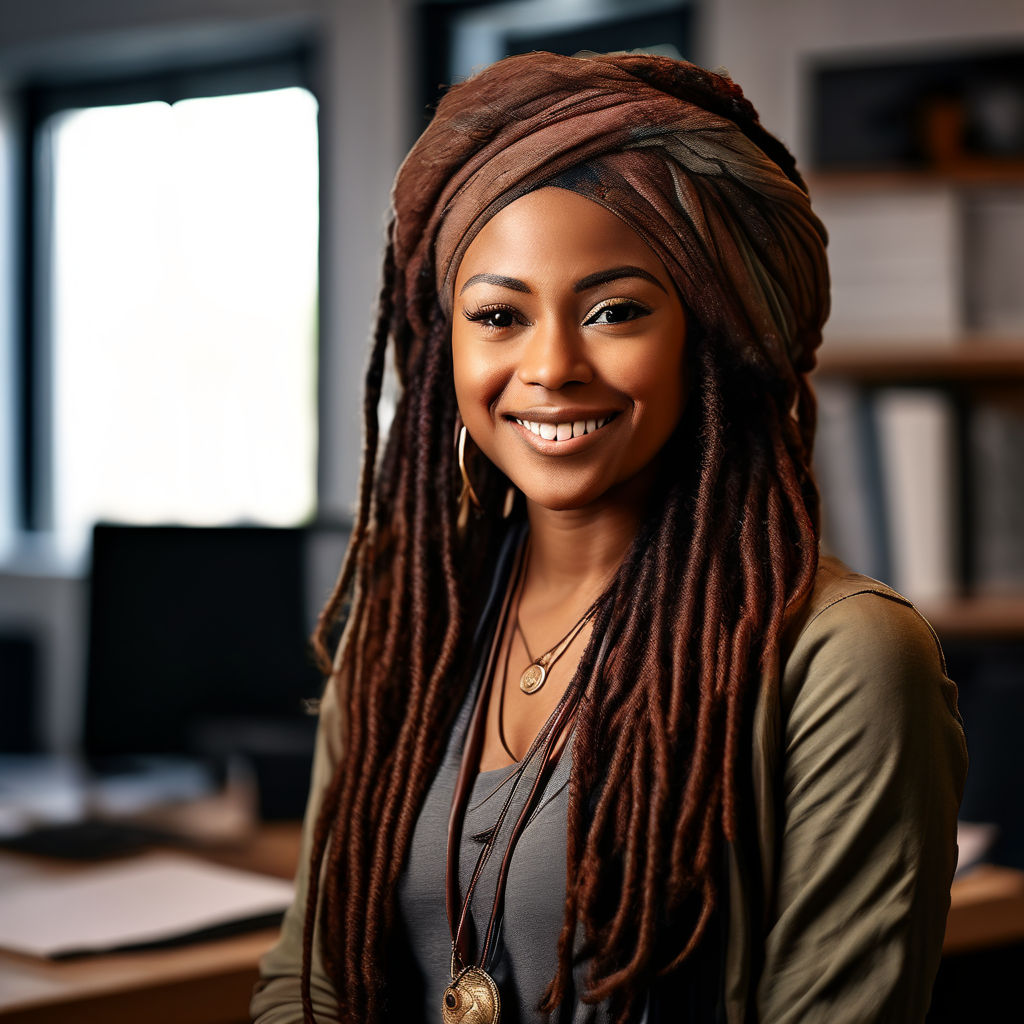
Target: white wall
x,y
365,131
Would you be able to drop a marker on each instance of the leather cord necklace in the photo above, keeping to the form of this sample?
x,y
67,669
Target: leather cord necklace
x,y
473,997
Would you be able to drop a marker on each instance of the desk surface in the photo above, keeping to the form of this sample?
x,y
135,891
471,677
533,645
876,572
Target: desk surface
x,y
202,983
986,910
210,982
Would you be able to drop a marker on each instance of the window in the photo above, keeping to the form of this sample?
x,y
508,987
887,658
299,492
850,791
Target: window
x,y
175,333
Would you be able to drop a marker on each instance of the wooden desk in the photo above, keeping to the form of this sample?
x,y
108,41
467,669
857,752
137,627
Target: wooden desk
x,y
986,910
201,983
204,983
210,982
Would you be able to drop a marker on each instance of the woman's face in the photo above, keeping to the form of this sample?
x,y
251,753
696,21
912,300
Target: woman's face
x,y
567,341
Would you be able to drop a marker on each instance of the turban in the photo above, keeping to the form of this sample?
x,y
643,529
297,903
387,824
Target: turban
x,y
674,150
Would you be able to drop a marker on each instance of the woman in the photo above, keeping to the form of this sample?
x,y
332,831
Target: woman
x,y
726,784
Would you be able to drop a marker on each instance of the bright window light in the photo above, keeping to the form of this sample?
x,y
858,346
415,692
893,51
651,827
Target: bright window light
x,y
183,311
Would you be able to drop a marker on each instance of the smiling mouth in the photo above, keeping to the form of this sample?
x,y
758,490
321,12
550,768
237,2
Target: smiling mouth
x,y
564,431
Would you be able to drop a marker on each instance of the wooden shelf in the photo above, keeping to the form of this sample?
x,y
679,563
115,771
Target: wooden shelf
x,y
981,618
980,171
967,359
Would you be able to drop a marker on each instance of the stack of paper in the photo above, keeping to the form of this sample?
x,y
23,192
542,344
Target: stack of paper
x,y
150,900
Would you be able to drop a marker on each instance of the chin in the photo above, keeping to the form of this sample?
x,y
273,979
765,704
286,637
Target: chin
x,y
562,499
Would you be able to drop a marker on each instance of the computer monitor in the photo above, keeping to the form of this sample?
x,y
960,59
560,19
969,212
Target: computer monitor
x,y
196,633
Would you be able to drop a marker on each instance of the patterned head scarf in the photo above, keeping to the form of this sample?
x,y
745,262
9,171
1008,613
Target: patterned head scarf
x,y
675,151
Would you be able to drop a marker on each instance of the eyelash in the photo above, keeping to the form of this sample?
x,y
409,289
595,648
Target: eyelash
x,y
483,314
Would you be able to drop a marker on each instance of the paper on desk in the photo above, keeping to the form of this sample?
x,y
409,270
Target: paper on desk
x,y
150,899
973,840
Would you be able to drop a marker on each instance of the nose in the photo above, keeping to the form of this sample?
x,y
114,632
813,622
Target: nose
x,y
553,355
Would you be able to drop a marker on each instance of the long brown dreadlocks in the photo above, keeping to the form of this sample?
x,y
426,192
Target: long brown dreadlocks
x,y
727,552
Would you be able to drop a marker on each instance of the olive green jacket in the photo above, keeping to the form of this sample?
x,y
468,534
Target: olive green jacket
x,y
839,887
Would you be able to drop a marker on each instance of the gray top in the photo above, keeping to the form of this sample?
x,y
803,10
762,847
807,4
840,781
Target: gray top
x,y
525,955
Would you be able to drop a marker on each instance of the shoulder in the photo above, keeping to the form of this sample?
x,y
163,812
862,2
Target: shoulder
x,y
859,646
842,597
860,767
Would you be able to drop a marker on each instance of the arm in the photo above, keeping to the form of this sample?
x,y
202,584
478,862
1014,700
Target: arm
x,y
276,998
873,768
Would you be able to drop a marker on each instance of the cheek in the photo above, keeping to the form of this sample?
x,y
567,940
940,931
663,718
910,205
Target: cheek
x,y
656,381
479,376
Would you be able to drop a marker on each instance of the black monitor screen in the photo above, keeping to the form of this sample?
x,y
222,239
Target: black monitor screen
x,y
193,630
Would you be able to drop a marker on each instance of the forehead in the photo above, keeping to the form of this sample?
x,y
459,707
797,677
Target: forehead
x,y
554,229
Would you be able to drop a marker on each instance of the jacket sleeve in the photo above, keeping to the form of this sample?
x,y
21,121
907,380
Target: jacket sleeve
x,y
276,997
872,770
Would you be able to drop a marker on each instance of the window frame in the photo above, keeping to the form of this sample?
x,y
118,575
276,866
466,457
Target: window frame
x,y
35,103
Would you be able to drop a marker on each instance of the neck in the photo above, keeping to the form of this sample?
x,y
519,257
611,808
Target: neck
x,y
580,549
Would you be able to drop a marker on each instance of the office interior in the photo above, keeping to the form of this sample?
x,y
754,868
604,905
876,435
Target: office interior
x,y
909,120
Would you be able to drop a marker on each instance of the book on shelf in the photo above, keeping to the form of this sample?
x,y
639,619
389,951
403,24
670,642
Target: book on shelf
x,y
996,440
895,262
916,446
994,263
854,526
884,464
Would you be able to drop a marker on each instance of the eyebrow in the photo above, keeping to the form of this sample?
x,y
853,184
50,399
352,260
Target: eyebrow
x,y
512,283
590,281
616,274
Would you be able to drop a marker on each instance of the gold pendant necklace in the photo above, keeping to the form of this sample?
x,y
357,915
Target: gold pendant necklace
x,y
536,673
471,998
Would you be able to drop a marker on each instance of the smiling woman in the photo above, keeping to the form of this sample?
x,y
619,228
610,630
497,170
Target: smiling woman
x,y
726,784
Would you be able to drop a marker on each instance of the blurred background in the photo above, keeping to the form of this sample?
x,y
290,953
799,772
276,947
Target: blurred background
x,y
192,204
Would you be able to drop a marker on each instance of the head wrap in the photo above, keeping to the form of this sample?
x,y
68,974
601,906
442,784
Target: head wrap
x,y
675,151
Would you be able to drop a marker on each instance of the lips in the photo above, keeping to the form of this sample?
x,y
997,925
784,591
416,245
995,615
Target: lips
x,y
565,430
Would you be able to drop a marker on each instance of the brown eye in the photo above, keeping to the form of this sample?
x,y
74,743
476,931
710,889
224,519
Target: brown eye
x,y
500,318
497,318
619,312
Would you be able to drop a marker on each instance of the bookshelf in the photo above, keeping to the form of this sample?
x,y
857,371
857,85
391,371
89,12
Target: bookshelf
x,y
971,367
920,181
966,379
919,177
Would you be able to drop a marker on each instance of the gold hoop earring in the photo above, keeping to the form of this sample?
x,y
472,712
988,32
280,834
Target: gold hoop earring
x,y
467,496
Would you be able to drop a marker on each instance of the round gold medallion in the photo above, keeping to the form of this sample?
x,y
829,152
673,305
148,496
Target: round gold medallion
x,y
532,679
472,998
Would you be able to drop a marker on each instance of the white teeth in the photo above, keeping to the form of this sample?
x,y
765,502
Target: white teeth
x,y
563,431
